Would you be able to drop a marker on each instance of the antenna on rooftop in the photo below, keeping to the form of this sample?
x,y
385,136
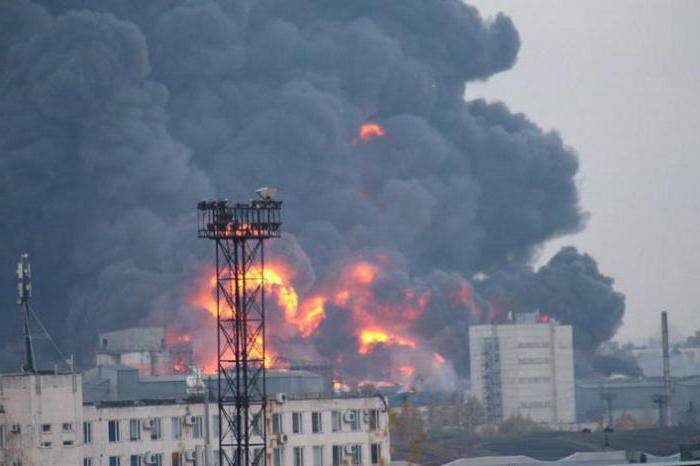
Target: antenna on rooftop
x,y
24,295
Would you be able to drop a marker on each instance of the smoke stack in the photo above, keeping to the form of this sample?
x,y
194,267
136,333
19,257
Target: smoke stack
x,y
667,370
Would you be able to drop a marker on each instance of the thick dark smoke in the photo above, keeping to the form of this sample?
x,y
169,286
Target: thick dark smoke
x,y
117,116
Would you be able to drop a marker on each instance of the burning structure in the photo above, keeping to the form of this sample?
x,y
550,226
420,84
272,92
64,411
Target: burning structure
x,y
524,367
398,191
149,349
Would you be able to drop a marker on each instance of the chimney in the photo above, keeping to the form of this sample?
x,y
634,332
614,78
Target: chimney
x,y
667,370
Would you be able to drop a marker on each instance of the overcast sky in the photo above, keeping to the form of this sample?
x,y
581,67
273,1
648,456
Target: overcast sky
x,y
620,80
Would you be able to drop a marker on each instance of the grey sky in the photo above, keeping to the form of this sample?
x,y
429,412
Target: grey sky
x,y
620,80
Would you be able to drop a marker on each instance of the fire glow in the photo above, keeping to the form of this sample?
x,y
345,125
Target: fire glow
x,y
368,131
375,325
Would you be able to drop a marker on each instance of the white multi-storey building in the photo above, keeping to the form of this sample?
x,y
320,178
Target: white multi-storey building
x,y
524,368
43,422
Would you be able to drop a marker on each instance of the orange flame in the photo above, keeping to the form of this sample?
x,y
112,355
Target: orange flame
x,y
438,358
364,272
369,131
374,321
370,337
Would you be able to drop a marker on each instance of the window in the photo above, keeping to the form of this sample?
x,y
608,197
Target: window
x,y
45,444
337,455
2,437
297,423
135,460
357,454
277,457
316,423
376,452
158,459
113,433
155,429
87,461
298,456
87,432
176,459
134,429
216,428
257,424
355,422
374,423
67,443
67,427
197,428
114,461
318,455
45,428
335,421
175,428
277,423
258,453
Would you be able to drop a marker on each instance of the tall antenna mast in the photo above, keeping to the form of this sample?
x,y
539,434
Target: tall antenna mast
x,y
239,232
24,295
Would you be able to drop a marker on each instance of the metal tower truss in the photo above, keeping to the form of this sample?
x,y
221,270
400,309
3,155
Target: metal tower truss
x,y
239,232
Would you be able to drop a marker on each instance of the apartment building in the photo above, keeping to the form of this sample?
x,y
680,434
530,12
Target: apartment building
x,y
43,421
524,367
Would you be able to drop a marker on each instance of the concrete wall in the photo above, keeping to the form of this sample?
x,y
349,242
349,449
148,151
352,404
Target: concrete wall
x,y
536,370
30,401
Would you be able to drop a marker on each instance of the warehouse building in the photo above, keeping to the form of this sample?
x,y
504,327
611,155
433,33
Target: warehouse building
x,y
624,396
524,367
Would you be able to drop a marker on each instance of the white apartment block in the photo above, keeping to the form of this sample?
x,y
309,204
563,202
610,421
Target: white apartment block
x,y
43,422
524,368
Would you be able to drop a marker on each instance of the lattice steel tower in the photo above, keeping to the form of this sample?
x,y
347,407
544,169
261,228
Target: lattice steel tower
x,y
239,232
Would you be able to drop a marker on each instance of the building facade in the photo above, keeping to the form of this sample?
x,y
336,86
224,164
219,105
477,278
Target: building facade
x,y
43,421
524,368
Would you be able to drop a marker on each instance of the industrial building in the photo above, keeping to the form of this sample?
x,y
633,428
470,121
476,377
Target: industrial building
x,y
609,399
45,420
146,349
524,367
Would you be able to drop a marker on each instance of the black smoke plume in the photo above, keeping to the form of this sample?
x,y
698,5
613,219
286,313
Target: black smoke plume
x,y
117,116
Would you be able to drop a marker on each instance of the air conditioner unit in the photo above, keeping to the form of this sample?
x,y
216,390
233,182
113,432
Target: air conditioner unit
x,y
149,423
149,458
191,456
15,429
281,398
349,416
282,439
349,450
190,420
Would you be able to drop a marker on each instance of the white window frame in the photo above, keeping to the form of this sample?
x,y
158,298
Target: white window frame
x,y
297,422
317,427
298,456
317,455
134,430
